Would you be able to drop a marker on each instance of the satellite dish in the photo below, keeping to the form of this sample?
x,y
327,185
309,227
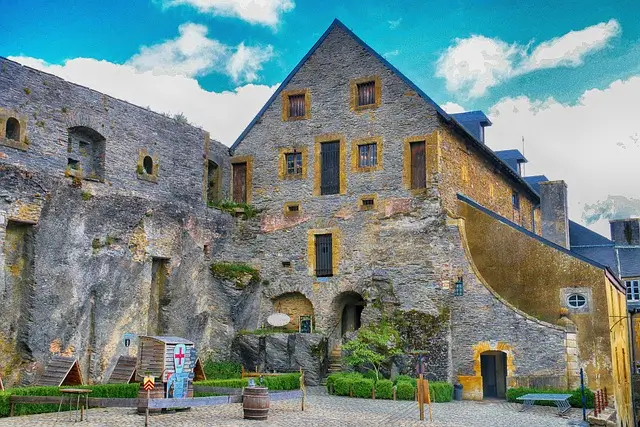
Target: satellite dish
x,y
278,319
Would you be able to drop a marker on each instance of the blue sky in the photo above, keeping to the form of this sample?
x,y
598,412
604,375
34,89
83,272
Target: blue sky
x,y
563,75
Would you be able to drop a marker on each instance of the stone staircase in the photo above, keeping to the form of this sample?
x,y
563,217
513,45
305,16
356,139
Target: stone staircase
x,y
335,363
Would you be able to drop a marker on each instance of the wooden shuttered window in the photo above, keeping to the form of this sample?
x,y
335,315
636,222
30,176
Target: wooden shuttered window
x,y
240,182
297,105
330,168
366,93
324,255
418,165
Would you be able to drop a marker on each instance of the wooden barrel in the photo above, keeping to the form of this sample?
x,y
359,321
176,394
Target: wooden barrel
x,y
156,393
255,403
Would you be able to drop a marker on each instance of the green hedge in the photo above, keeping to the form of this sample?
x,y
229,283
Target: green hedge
x,y
405,390
280,382
341,386
222,370
441,391
362,388
405,378
105,390
384,389
348,375
575,400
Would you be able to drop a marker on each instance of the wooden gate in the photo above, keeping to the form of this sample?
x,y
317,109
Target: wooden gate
x,y
240,182
330,168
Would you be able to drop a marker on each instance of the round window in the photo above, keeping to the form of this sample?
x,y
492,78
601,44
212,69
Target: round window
x,y
576,301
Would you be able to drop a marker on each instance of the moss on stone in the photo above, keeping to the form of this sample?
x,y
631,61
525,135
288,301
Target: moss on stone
x,y
86,196
246,210
417,329
240,273
27,91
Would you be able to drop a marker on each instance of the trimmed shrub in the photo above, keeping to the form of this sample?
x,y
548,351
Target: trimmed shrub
x,y
404,378
384,389
347,375
575,400
222,370
342,386
283,382
440,391
231,383
405,390
362,388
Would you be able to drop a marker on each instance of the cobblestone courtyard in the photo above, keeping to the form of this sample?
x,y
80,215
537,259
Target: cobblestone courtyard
x,y
321,411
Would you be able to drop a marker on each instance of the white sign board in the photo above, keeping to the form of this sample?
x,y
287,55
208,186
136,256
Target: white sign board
x,y
278,319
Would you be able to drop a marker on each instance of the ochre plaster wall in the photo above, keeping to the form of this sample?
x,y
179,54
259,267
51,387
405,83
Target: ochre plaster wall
x,y
293,304
515,266
466,171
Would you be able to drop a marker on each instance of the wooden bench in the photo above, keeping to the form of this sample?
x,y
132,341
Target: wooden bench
x,y
561,401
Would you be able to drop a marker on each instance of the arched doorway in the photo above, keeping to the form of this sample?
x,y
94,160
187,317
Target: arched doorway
x,y
493,367
298,308
350,306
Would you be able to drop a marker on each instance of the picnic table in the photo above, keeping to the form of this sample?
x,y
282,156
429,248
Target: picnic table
x,y
561,401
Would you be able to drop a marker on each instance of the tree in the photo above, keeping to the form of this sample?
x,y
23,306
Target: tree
x,y
374,346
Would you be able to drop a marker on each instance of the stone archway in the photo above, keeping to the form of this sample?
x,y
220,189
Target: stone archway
x,y
347,308
298,308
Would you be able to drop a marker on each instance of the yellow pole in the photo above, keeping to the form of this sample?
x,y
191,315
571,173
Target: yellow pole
x,y
428,394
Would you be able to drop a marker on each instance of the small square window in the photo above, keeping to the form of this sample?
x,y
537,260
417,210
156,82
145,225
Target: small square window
x,y
294,163
367,155
515,199
297,105
293,208
366,93
286,264
633,290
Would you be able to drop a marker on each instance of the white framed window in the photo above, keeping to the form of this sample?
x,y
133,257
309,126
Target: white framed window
x,y
633,290
576,301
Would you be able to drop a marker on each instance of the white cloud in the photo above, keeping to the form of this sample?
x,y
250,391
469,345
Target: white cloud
x,y
570,49
452,107
473,65
393,24
579,143
194,54
191,54
264,12
223,114
246,62
392,53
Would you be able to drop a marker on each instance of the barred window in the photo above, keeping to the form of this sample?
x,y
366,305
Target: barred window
x,y
296,106
366,93
294,163
368,155
324,255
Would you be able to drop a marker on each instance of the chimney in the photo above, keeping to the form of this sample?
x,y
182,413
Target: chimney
x,y
625,232
555,215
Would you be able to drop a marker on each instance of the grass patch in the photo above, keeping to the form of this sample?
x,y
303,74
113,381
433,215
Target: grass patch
x,y
86,196
236,272
222,370
234,208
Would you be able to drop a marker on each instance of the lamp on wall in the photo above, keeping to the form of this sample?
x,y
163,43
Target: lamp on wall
x,y
458,288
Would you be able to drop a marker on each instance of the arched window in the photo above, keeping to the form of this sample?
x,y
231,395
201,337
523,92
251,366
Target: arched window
x,y
13,129
87,152
147,164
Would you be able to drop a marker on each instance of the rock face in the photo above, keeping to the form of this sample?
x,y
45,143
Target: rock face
x,y
283,352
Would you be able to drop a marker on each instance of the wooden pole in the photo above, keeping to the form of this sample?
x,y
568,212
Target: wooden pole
x,y
303,388
146,415
420,393
426,392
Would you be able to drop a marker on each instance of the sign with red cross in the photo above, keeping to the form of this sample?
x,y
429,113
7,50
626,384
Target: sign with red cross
x,y
179,354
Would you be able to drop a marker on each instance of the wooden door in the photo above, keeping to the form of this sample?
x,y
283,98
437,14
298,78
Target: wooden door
x,y
488,370
418,165
330,168
240,182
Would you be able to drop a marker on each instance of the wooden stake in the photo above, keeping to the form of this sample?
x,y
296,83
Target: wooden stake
x,y
146,415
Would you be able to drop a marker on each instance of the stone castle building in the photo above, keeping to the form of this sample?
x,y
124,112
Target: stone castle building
x,y
373,204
